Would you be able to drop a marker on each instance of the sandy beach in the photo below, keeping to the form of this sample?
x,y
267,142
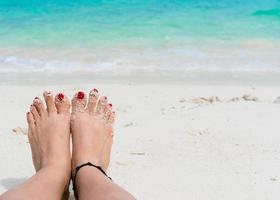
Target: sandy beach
x,y
172,140
195,86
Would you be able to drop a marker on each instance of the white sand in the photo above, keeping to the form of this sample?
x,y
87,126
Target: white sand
x,y
167,147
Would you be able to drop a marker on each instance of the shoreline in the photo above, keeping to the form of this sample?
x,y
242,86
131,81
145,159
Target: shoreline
x,y
194,77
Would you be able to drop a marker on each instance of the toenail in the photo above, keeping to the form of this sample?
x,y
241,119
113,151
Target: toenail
x,y
80,95
36,98
110,105
60,96
36,101
93,95
48,93
103,101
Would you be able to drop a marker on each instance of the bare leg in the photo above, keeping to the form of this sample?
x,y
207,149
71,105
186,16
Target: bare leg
x,y
92,134
49,131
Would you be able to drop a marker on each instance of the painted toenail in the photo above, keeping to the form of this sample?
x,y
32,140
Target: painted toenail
x,y
93,95
60,96
36,98
110,105
103,99
81,95
48,93
36,101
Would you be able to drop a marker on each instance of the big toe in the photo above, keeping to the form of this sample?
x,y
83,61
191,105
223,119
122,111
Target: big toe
x,y
62,103
79,102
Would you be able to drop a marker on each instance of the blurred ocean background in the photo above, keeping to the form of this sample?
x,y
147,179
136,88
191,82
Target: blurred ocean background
x,y
139,36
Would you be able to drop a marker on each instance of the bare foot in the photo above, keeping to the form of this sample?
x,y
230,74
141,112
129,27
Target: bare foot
x,y
49,134
92,130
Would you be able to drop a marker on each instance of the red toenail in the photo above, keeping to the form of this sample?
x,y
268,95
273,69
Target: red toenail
x,y
110,105
95,90
36,98
105,98
81,95
60,96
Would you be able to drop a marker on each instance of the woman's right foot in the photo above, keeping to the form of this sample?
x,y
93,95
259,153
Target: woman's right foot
x,y
92,130
48,134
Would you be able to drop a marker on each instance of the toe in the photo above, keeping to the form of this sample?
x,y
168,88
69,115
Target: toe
x,y
62,103
50,102
39,106
92,100
31,139
79,102
112,118
110,122
35,113
108,111
30,120
101,106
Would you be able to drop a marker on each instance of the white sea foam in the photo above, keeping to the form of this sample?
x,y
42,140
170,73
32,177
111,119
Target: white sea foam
x,y
126,60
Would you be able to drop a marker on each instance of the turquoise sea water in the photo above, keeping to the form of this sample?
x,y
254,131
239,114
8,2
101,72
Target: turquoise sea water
x,y
144,34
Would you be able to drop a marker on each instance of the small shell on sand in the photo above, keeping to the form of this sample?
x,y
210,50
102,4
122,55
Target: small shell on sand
x,y
248,97
245,97
20,131
234,99
201,100
182,100
129,124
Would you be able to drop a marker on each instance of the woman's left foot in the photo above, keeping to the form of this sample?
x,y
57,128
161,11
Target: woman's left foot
x,y
92,130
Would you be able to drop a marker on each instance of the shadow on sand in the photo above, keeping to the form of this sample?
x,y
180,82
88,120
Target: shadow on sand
x,y
9,183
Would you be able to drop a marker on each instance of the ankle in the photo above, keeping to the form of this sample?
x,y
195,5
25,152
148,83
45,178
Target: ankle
x,y
62,168
88,176
58,161
79,159
60,175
